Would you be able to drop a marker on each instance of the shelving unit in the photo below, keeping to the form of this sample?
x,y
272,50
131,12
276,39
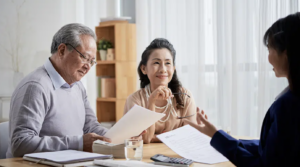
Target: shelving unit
x,y
123,68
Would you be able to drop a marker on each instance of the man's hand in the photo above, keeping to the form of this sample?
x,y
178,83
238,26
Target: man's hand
x,y
88,140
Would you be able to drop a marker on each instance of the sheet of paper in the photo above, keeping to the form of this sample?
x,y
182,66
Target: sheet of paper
x,y
114,163
67,156
132,124
191,144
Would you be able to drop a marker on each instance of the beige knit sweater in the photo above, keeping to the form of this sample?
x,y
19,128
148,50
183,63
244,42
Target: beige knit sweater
x,y
139,98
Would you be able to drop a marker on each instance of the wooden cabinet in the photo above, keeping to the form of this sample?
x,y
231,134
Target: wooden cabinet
x,y
123,68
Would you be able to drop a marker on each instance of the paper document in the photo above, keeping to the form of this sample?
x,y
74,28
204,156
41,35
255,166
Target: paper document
x,y
67,156
192,144
132,124
113,163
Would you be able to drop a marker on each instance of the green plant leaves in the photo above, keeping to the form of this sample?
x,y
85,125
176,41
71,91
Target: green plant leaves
x,y
104,44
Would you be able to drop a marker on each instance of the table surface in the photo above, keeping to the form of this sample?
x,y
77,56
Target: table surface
x,y
148,151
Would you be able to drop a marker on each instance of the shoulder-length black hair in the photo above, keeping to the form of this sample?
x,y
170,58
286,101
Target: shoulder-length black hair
x,y
284,35
174,84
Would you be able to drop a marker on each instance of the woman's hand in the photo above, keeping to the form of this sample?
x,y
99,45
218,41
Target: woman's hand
x,y
204,126
139,137
161,93
203,114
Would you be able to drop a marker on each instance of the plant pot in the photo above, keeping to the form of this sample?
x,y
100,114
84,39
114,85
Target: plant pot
x,y
102,54
110,54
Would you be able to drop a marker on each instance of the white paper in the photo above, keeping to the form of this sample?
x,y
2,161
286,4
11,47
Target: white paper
x,y
133,123
113,163
66,156
192,144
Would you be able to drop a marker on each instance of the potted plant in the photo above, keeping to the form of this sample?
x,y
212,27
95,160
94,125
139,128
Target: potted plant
x,y
102,47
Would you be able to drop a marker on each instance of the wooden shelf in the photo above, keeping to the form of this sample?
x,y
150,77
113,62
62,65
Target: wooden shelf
x,y
107,99
105,62
123,68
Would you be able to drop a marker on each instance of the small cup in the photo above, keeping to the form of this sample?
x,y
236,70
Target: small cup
x,y
134,149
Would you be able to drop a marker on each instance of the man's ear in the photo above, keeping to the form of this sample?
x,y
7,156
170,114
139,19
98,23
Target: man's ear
x,y
61,49
143,69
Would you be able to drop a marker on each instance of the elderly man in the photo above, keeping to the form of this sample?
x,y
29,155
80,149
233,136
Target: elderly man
x,y
49,108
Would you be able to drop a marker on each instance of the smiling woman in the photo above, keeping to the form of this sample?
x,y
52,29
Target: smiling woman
x,y
161,91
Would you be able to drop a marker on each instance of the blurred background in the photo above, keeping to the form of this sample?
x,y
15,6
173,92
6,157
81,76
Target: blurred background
x,y
220,57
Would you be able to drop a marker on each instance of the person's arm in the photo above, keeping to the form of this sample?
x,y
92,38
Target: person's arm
x,y
250,145
155,139
239,153
28,110
274,149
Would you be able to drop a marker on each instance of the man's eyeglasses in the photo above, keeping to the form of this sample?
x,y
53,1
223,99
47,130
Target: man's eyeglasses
x,y
84,60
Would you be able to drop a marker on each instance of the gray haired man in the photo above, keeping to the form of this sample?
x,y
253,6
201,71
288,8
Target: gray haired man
x,y
49,108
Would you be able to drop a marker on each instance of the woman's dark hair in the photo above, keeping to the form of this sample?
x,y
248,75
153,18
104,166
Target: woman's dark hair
x,y
284,35
174,84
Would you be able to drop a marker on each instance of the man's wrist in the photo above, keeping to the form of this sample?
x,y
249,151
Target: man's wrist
x,y
80,143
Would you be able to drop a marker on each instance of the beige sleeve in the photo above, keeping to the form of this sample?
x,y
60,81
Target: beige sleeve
x,y
130,102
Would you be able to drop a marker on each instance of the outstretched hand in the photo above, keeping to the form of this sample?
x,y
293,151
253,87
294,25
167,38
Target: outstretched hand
x,y
203,125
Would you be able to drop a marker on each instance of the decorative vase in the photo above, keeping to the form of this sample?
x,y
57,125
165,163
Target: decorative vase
x,y
103,54
18,76
110,54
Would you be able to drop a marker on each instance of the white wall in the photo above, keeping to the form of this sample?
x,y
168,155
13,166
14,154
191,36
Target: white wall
x,y
33,30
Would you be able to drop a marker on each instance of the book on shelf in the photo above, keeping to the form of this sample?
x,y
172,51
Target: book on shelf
x,y
106,87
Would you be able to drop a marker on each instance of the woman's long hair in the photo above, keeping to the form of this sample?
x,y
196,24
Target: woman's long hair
x,y
284,35
174,84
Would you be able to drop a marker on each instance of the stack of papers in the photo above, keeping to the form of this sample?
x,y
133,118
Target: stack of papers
x,y
192,144
102,147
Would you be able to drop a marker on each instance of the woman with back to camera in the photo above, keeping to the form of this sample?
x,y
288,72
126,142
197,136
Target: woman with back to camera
x,y
161,90
279,143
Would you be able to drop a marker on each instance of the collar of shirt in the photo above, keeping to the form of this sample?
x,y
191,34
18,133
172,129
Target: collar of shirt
x,y
283,92
55,77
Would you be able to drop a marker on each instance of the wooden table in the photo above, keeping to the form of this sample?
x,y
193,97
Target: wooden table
x,y
148,151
